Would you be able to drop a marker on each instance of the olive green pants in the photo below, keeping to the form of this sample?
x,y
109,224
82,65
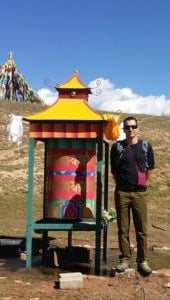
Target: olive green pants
x,y
125,203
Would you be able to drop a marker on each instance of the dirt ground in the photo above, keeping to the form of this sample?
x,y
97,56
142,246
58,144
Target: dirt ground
x,y
40,283
94,288
36,286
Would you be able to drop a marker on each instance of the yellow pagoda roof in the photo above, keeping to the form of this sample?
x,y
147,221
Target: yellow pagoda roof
x,y
73,83
67,109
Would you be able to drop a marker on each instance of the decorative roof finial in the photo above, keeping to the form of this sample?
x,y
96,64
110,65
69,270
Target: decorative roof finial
x,y
10,55
75,71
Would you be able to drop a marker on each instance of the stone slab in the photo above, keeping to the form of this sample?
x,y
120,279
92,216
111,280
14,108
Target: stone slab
x,y
71,283
71,275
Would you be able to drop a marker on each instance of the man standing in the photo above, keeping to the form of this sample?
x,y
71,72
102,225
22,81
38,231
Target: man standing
x,y
131,162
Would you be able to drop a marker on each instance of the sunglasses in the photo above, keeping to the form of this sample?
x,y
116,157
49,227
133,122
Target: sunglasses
x,y
127,127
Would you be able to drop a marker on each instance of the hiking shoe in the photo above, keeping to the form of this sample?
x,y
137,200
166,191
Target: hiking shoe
x,y
144,268
123,265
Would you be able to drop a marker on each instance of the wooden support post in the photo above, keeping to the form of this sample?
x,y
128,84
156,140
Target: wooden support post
x,y
30,204
45,241
45,245
98,206
106,179
70,238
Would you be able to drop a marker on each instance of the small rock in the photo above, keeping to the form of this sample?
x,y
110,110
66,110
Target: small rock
x,y
18,281
130,272
160,249
167,285
155,272
23,256
95,277
113,272
165,272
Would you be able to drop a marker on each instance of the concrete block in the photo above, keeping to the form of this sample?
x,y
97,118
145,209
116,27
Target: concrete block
x,y
72,280
75,282
71,275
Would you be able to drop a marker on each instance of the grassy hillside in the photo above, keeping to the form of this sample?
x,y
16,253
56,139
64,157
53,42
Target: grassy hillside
x,y
14,171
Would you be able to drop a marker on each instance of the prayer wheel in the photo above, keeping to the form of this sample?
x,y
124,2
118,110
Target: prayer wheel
x,y
70,178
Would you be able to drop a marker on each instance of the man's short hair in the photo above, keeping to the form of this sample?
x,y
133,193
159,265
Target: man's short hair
x,y
129,119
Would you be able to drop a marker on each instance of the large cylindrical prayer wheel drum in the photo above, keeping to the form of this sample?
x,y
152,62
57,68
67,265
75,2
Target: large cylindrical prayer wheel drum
x,y
70,178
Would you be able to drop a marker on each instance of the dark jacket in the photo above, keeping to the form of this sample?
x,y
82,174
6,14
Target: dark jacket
x,y
123,165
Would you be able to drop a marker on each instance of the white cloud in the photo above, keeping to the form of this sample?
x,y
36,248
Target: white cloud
x,y
113,99
48,97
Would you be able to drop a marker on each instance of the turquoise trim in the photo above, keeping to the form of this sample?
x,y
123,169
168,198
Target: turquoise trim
x,y
52,224
98,206
30,204
88,144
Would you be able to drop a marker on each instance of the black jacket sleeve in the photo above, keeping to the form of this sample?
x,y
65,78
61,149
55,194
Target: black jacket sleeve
x,y
113,158
150,158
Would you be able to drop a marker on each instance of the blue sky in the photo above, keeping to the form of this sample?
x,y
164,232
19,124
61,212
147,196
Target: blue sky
x,y
125,43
